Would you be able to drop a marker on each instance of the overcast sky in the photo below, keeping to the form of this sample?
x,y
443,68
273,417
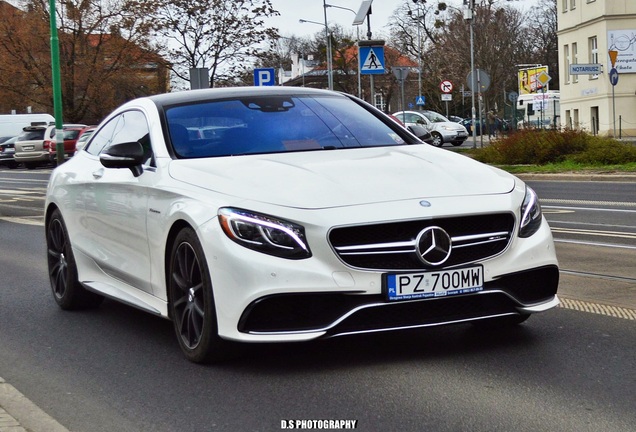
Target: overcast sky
x,y
293,10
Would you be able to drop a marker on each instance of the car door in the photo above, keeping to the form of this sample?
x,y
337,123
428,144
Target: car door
x,y
116,205
411,118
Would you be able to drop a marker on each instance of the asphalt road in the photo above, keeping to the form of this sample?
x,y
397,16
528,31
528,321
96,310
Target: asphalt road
x,y
116,368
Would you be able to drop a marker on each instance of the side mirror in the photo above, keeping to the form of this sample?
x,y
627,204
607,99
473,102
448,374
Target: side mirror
x,y
125,155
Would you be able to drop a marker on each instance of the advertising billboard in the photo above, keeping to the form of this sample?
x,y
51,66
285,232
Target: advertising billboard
x,y
528,80
624,42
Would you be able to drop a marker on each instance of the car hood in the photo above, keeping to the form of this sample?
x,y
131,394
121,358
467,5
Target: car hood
x,y
335,178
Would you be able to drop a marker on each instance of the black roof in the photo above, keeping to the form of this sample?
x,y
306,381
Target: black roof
x,y
193,96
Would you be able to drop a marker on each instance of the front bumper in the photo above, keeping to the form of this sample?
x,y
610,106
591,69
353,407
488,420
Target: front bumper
x,y
337,314
260,298
453,136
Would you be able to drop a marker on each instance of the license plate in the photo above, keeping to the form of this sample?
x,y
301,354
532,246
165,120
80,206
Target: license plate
x,y
28,148
409,286
462,134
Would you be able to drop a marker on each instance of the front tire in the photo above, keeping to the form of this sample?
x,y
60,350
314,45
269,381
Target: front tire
x,y
67,290
438,141
191,301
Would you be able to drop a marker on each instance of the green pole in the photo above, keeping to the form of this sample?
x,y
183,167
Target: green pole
x,y
57,87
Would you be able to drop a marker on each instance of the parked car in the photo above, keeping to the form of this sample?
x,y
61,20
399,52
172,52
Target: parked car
x,y
12,124
468,124
83,137
29,147
7,152
419,131
503,125
442,129
455,119
71,134
36,144
313,216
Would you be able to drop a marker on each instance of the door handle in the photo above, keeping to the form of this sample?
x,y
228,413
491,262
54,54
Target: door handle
x,y
98,174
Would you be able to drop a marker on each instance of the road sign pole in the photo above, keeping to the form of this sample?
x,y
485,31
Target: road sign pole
x,y
613,75
614,112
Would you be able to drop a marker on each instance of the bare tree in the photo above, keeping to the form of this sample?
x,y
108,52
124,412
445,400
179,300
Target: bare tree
x,y
220,35
543,38
500,42
105,56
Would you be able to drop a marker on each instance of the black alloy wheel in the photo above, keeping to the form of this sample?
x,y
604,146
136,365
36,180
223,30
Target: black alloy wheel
x,y
67,291
191,301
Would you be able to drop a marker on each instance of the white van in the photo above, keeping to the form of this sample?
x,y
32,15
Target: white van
x,y
12,124
540,110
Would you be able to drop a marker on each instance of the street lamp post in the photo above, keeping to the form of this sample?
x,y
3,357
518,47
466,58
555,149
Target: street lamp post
x,y
329,63
469,16
358,37
419,47
329,58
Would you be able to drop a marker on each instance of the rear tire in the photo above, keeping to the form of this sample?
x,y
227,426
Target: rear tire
x,y
192,306
67,291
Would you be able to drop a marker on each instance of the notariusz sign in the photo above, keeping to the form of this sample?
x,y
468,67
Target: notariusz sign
x,y
586,69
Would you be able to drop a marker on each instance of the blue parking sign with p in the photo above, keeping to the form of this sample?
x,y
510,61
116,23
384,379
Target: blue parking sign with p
x,y
264,77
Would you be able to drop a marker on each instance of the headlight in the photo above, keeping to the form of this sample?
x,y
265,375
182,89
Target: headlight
x,y
530,214
265,233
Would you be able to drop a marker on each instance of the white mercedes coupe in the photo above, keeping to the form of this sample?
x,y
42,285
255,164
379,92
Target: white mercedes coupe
x,y
289,214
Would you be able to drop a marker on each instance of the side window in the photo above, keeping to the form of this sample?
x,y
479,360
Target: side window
x,y
103,137
129,126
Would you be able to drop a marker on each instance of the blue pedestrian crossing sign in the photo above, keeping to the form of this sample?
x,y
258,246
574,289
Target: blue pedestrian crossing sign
x,y
264,77
371,59
420,100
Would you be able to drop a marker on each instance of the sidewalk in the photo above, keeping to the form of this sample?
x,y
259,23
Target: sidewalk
x,y
18,414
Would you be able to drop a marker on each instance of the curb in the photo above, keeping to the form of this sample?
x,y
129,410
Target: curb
x,y
19,414
591,177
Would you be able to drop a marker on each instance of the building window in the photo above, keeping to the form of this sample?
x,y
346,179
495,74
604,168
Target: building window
x,y
575,60
593,49
575,123
566,59
572,4
565,6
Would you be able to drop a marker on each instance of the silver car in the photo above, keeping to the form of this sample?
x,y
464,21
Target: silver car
x,y
29,147
442,129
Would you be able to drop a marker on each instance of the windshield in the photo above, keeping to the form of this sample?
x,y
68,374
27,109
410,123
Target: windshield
x,y
274,124
71,134
435,117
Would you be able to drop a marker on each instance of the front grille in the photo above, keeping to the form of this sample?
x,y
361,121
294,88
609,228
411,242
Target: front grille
x,y
391,246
